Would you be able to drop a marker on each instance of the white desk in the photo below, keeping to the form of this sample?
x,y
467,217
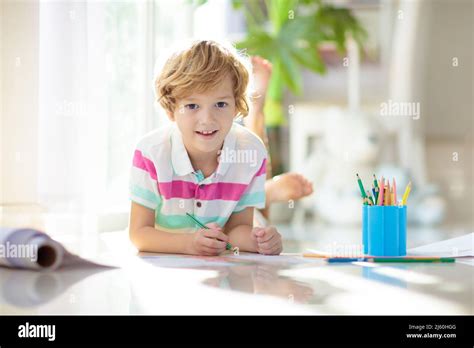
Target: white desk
x,y
213,287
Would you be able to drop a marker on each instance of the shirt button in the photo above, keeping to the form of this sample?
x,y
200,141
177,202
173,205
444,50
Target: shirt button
x,y
198,204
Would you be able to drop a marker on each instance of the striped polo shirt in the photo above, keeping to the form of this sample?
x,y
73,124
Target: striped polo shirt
x,y
163,179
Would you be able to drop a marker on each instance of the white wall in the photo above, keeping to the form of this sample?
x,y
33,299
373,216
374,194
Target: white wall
x,y
448,89
19,101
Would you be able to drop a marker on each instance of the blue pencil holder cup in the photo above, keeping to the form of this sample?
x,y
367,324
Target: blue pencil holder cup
x,y
384,230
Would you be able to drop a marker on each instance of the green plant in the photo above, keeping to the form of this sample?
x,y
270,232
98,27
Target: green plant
x,y
288,33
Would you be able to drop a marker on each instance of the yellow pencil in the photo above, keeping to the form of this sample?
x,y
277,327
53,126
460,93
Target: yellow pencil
x,y
317,256
405,195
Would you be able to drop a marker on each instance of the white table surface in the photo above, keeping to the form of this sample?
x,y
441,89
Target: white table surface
x,y
173,285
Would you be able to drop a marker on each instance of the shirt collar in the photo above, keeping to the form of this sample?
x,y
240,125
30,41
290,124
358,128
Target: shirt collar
x,y
180,159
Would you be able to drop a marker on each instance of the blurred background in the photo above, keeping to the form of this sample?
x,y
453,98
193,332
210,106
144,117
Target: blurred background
x,y
379,87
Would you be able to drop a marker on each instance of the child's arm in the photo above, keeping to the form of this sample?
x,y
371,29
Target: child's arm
x,y
146,237
239,229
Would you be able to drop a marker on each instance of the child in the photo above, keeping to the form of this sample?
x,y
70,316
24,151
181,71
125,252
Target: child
x,y
203,164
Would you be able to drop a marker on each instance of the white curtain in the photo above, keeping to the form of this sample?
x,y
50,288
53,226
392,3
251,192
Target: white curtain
x,y
73,111
96,95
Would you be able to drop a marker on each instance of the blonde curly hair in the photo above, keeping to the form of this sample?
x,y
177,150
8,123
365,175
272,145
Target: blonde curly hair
x,y
200,67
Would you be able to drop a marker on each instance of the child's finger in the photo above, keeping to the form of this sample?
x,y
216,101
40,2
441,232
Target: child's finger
x,y
214,226
213,243
253,236
258,232
275,250
269,245
210,251
268,234
211,233
265,238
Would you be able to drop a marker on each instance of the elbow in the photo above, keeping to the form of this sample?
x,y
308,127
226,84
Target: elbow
x,y
134,236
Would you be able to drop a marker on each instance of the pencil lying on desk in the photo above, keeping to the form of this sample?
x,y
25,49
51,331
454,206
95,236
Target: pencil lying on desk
x,y
390,259
200,224
413,259
316,255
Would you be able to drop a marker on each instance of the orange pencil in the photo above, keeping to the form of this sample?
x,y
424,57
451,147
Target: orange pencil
x,y
381,191
387,193
394,192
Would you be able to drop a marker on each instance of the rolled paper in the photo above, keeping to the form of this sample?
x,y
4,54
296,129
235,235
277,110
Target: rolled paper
x,y
31,249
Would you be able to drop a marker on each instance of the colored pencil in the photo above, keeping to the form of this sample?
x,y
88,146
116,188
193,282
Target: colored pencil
x,y
200,224
400,259
361,188
376,186
317,256
370,198
406,194
381,189
345,259
388,193
394,185
390,259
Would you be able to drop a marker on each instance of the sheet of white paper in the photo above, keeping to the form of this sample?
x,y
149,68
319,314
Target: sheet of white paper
x,y
187,261
288,259
466,261
455,247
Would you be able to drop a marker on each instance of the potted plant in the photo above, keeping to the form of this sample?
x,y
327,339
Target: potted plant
x,y
289,33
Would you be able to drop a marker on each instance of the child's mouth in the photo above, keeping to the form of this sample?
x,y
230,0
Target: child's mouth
x,y
207,134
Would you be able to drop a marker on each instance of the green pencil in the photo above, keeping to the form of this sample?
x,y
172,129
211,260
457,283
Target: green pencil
x,y
362,191
399,259
388,259
200,224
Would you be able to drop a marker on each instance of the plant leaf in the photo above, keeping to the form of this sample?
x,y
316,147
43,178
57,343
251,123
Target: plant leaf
x,y
309,58
237,4
278,12
290,72
258,42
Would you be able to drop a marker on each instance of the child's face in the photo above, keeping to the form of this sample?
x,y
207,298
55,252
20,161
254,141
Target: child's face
x,y
205,119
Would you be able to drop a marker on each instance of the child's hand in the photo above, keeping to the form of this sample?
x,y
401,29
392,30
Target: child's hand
x,y
268,240
208,242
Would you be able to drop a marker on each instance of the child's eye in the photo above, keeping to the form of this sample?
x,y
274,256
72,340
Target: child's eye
x,y
191,106
221,104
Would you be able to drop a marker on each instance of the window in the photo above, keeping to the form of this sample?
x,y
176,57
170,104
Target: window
x,y
96,94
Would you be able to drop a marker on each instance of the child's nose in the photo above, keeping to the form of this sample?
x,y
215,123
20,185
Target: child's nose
x,y
206,116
